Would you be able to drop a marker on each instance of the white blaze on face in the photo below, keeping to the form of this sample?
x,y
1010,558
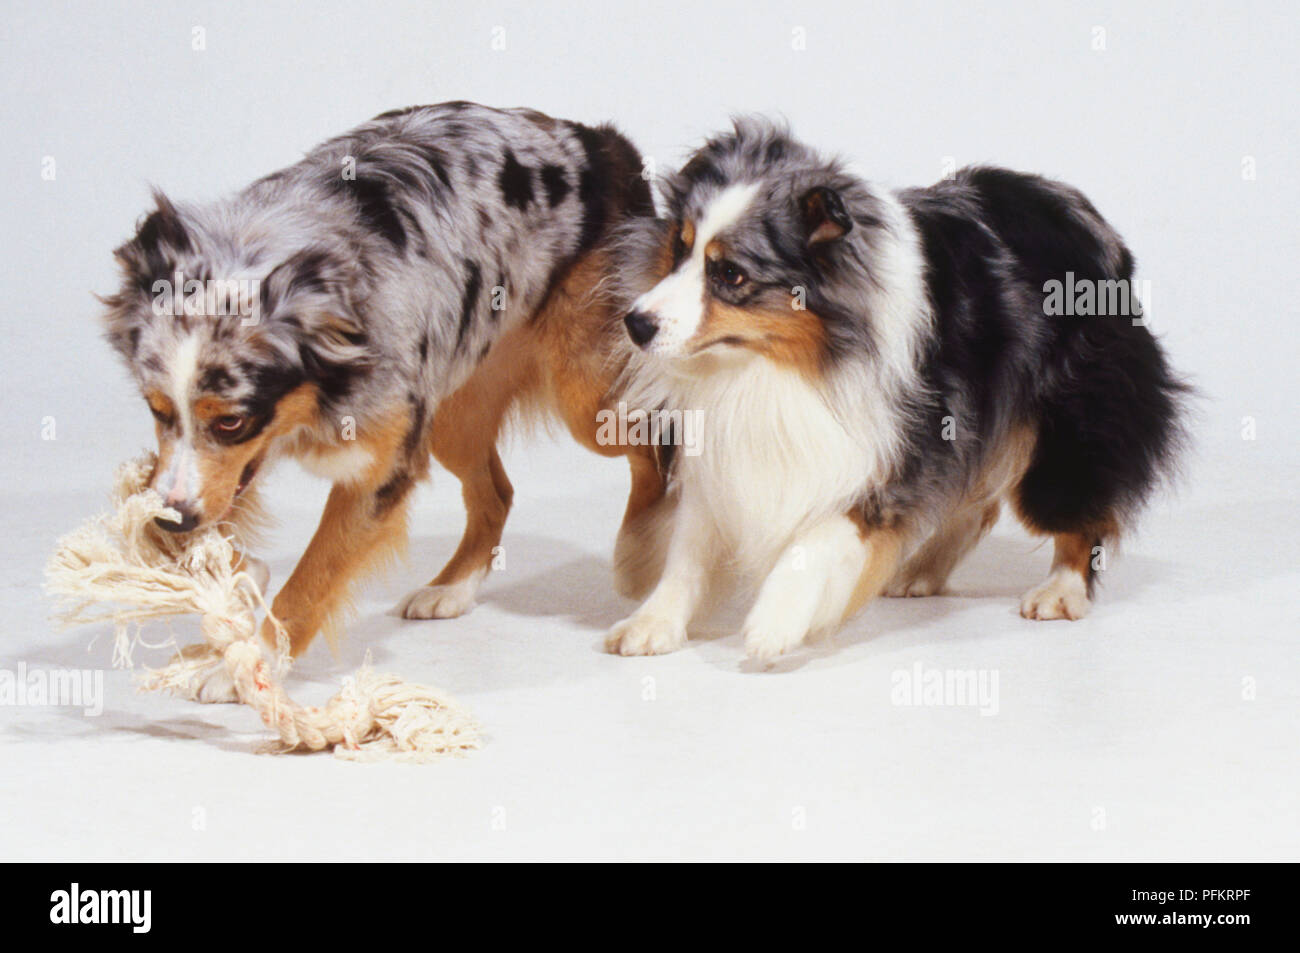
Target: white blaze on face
x,y
179,483
676,304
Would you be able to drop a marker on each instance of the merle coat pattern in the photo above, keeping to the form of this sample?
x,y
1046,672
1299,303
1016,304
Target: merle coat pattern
x,y
878,371
389,263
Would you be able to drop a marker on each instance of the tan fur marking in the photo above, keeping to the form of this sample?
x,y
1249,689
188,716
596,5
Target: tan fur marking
x,y
1106,528
1058,597
465,430
351,539
562,362
1073,551
558,363
688,235
221,465
884,547
989,518
161,403
858,519
209,408
1004,466
793,338
348,541
643,538
581,340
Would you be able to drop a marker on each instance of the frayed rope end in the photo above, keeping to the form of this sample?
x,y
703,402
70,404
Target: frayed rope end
x,y
120,568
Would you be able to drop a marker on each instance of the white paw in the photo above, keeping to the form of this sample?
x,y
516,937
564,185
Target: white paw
x,y
645,635
439,602
218,688
1063,596
914,588
208,680
766,642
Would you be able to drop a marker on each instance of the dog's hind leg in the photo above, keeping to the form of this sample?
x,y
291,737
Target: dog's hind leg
x,y
1081,527
487,493
927,571
642,543
581,356
464,435
1065,594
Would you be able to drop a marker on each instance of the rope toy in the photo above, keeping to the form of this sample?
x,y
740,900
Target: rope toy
x,y
121,568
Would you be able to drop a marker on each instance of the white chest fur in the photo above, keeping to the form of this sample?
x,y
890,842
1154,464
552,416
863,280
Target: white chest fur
x,y
776,456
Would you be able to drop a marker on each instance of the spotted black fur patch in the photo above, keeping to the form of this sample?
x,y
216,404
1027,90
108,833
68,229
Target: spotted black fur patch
x,y
375,207
556,185
469,300
516,182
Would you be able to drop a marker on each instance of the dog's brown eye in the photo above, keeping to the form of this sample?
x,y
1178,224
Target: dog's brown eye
x,y
728,273
228,424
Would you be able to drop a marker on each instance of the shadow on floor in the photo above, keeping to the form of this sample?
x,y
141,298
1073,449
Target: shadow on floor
x,y
555,579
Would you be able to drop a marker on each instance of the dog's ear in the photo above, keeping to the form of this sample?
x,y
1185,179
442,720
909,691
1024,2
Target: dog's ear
x,y
159,238
824,217
305,308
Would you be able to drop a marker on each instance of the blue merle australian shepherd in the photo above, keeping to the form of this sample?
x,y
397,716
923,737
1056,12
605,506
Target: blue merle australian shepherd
x,y
417,279
877,372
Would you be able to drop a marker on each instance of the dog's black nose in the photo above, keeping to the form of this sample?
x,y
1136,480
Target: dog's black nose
x,y
189,520
640,328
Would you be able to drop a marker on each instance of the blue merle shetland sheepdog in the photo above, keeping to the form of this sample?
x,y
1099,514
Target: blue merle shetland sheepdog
x,y
417,279
877,372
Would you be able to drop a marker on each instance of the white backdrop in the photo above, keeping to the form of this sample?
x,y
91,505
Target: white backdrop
x,y
1178,120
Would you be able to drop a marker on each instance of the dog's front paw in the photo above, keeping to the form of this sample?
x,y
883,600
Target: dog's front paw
x,y
765,642
1063,596
645,635
206,679
218,688
438,602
